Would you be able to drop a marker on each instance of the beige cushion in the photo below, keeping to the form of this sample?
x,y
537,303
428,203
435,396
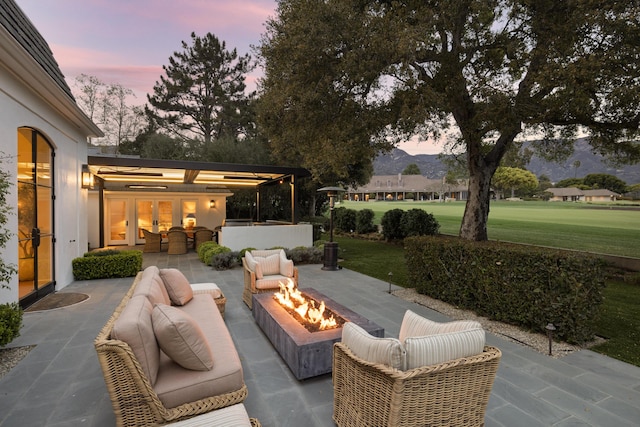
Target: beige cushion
x,y
177,285
177,386
386,351
181,338
414,325
134,327
269,265
230,416
206,288
286,266
253,265
271,282
152,286
435,349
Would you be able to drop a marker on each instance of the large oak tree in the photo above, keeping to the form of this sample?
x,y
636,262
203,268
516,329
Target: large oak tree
x,y
345,79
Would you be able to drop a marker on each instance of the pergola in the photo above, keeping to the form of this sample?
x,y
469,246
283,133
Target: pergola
x,y
136,174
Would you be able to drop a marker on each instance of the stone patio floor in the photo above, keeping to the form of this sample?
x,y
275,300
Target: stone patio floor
x,y
60,383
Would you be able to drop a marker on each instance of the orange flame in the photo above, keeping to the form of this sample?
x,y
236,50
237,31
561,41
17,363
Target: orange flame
x,y
289,296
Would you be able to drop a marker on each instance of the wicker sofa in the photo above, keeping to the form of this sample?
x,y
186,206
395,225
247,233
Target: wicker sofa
x,y
435,374
263,272
152,376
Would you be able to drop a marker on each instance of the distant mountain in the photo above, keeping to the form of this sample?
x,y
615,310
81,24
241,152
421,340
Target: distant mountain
x,y
397,160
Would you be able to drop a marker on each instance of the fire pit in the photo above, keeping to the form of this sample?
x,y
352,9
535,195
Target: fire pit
x,y
308,354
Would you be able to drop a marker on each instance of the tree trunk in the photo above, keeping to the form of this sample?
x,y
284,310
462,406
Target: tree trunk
x,y
476,212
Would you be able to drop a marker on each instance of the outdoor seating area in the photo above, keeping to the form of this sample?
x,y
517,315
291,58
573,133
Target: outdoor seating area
x,y
178,240
61,382
263,272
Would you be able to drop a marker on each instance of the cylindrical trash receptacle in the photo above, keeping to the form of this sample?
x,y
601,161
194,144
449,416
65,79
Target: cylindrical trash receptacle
x,y
330,256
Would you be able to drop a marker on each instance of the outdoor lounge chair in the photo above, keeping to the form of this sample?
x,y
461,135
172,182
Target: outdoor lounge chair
x,y
202,235
152,241
177,242
372,392
263,272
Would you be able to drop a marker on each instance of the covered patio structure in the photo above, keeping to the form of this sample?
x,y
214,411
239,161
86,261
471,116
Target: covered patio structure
x,y
128,194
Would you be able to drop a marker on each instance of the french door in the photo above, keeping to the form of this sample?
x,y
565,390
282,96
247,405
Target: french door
x,y
153,215
118,226
35,216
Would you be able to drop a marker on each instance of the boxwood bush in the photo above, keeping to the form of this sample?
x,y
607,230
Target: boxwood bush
x,y
107,264
364,221
10,322
522,285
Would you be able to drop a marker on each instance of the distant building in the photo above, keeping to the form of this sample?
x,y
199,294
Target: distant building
x,y
572,194
404,187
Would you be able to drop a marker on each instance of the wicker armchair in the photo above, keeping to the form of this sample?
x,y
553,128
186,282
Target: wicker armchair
x,y
152,241
255,285
177,242
453,393
202,235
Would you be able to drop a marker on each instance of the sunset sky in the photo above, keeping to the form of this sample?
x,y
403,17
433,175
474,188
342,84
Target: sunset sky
x,y
128,41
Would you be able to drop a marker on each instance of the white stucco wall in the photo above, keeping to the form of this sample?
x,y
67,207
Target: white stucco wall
x,y
266,236
22,107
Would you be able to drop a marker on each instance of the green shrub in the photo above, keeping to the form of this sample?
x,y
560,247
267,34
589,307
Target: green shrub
x,y
391,224
364,221
103,252
212,251
305,255
10,322
344,219
522,285
121,264
242,252
319,243
225,260
417,222
205,247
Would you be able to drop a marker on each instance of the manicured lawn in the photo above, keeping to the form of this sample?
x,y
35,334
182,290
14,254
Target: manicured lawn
x,y
592,228
619,322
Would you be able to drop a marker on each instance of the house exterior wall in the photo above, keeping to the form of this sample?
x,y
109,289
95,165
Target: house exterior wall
x,y
205,216
21,107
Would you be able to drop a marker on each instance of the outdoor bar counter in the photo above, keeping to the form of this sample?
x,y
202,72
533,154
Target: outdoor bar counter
x,y
238,235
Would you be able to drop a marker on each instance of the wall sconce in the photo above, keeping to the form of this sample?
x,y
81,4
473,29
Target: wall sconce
x,y
87,177
212,204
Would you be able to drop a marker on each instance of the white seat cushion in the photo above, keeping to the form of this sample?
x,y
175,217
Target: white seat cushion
x,y
206,288
231,416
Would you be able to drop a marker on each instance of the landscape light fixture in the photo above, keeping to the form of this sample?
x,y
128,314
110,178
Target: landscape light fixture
x,y
331,248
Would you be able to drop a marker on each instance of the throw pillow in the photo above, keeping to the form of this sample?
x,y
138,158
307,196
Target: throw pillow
x,y
270,265
414,325
440,348
177,285
253,265
180,337
385,351
134,326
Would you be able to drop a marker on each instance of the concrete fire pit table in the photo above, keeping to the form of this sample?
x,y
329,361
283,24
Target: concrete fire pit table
x,y
308,354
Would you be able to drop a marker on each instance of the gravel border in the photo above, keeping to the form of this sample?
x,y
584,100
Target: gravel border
x,y
536,341
10,357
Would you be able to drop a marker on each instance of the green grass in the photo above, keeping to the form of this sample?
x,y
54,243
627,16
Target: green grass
x,y
619,322
593,228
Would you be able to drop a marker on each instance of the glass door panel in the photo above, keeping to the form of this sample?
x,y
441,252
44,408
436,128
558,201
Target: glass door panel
x,y
144,218
118,222
165,216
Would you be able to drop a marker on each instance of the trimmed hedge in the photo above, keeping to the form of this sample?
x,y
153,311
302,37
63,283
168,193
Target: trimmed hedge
x,y
98,265
522,285
10,322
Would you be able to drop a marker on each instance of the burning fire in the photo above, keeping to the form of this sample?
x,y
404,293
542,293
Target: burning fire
x,y
290,297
